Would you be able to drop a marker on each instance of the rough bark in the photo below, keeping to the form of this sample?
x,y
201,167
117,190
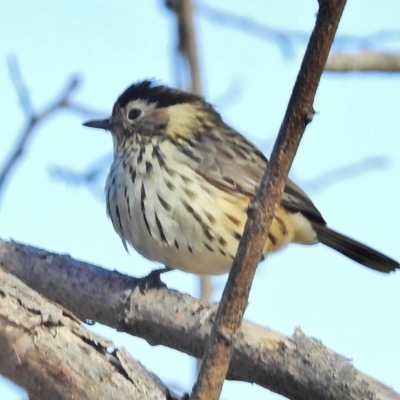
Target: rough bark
x,y
297,367
45,349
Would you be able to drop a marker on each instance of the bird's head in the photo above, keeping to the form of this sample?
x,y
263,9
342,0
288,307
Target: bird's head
x,y
147,110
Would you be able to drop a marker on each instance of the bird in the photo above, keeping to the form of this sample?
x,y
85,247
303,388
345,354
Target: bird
x,y
181,181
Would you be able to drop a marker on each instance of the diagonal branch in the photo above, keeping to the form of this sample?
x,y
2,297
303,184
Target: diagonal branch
x,y
300,111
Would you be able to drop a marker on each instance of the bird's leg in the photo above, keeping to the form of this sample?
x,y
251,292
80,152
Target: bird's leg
x,y
153,280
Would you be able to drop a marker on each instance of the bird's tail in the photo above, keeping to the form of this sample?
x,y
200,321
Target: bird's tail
x,y
355,250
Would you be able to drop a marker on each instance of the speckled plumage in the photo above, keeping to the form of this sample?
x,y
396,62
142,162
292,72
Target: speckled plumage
x,y
182,179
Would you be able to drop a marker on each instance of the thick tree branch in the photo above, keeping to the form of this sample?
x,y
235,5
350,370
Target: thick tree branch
x,y
297,367
262,209
45,349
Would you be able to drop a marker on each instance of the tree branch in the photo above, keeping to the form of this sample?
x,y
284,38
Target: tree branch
x,y
363,61
187,44
286,38
262,209
45,349
297,367
186,41
34,118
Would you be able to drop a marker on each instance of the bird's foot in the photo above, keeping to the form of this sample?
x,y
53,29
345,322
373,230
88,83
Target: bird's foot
x,y
152,280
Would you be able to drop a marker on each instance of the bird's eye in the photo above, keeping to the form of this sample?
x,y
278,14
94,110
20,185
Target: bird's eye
x,y
134,113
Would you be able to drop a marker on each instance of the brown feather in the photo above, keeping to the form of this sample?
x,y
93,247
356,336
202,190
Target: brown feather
x,y
355,250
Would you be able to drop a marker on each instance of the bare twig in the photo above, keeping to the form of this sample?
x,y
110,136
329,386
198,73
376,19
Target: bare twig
x,y
20,86
91,177
286,38
300,110
186,41
363,61
34,118
297,367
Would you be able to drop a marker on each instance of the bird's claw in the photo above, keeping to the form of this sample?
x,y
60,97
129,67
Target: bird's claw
x,y
152,280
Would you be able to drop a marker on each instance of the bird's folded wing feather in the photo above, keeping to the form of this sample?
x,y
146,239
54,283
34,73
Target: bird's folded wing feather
x,y
234,165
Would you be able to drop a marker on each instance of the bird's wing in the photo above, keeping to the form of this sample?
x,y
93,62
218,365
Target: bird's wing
x,y
232,163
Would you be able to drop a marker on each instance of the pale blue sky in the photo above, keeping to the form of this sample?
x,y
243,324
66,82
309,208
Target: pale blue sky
x,y
111,44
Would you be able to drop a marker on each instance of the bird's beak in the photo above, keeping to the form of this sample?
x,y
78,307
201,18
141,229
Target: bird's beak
x,y
99,124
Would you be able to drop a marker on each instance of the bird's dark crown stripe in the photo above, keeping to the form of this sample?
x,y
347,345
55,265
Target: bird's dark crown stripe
x,y
152,92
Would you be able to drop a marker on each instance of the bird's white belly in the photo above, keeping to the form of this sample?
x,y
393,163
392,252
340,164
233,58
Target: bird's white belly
x,y
168,221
